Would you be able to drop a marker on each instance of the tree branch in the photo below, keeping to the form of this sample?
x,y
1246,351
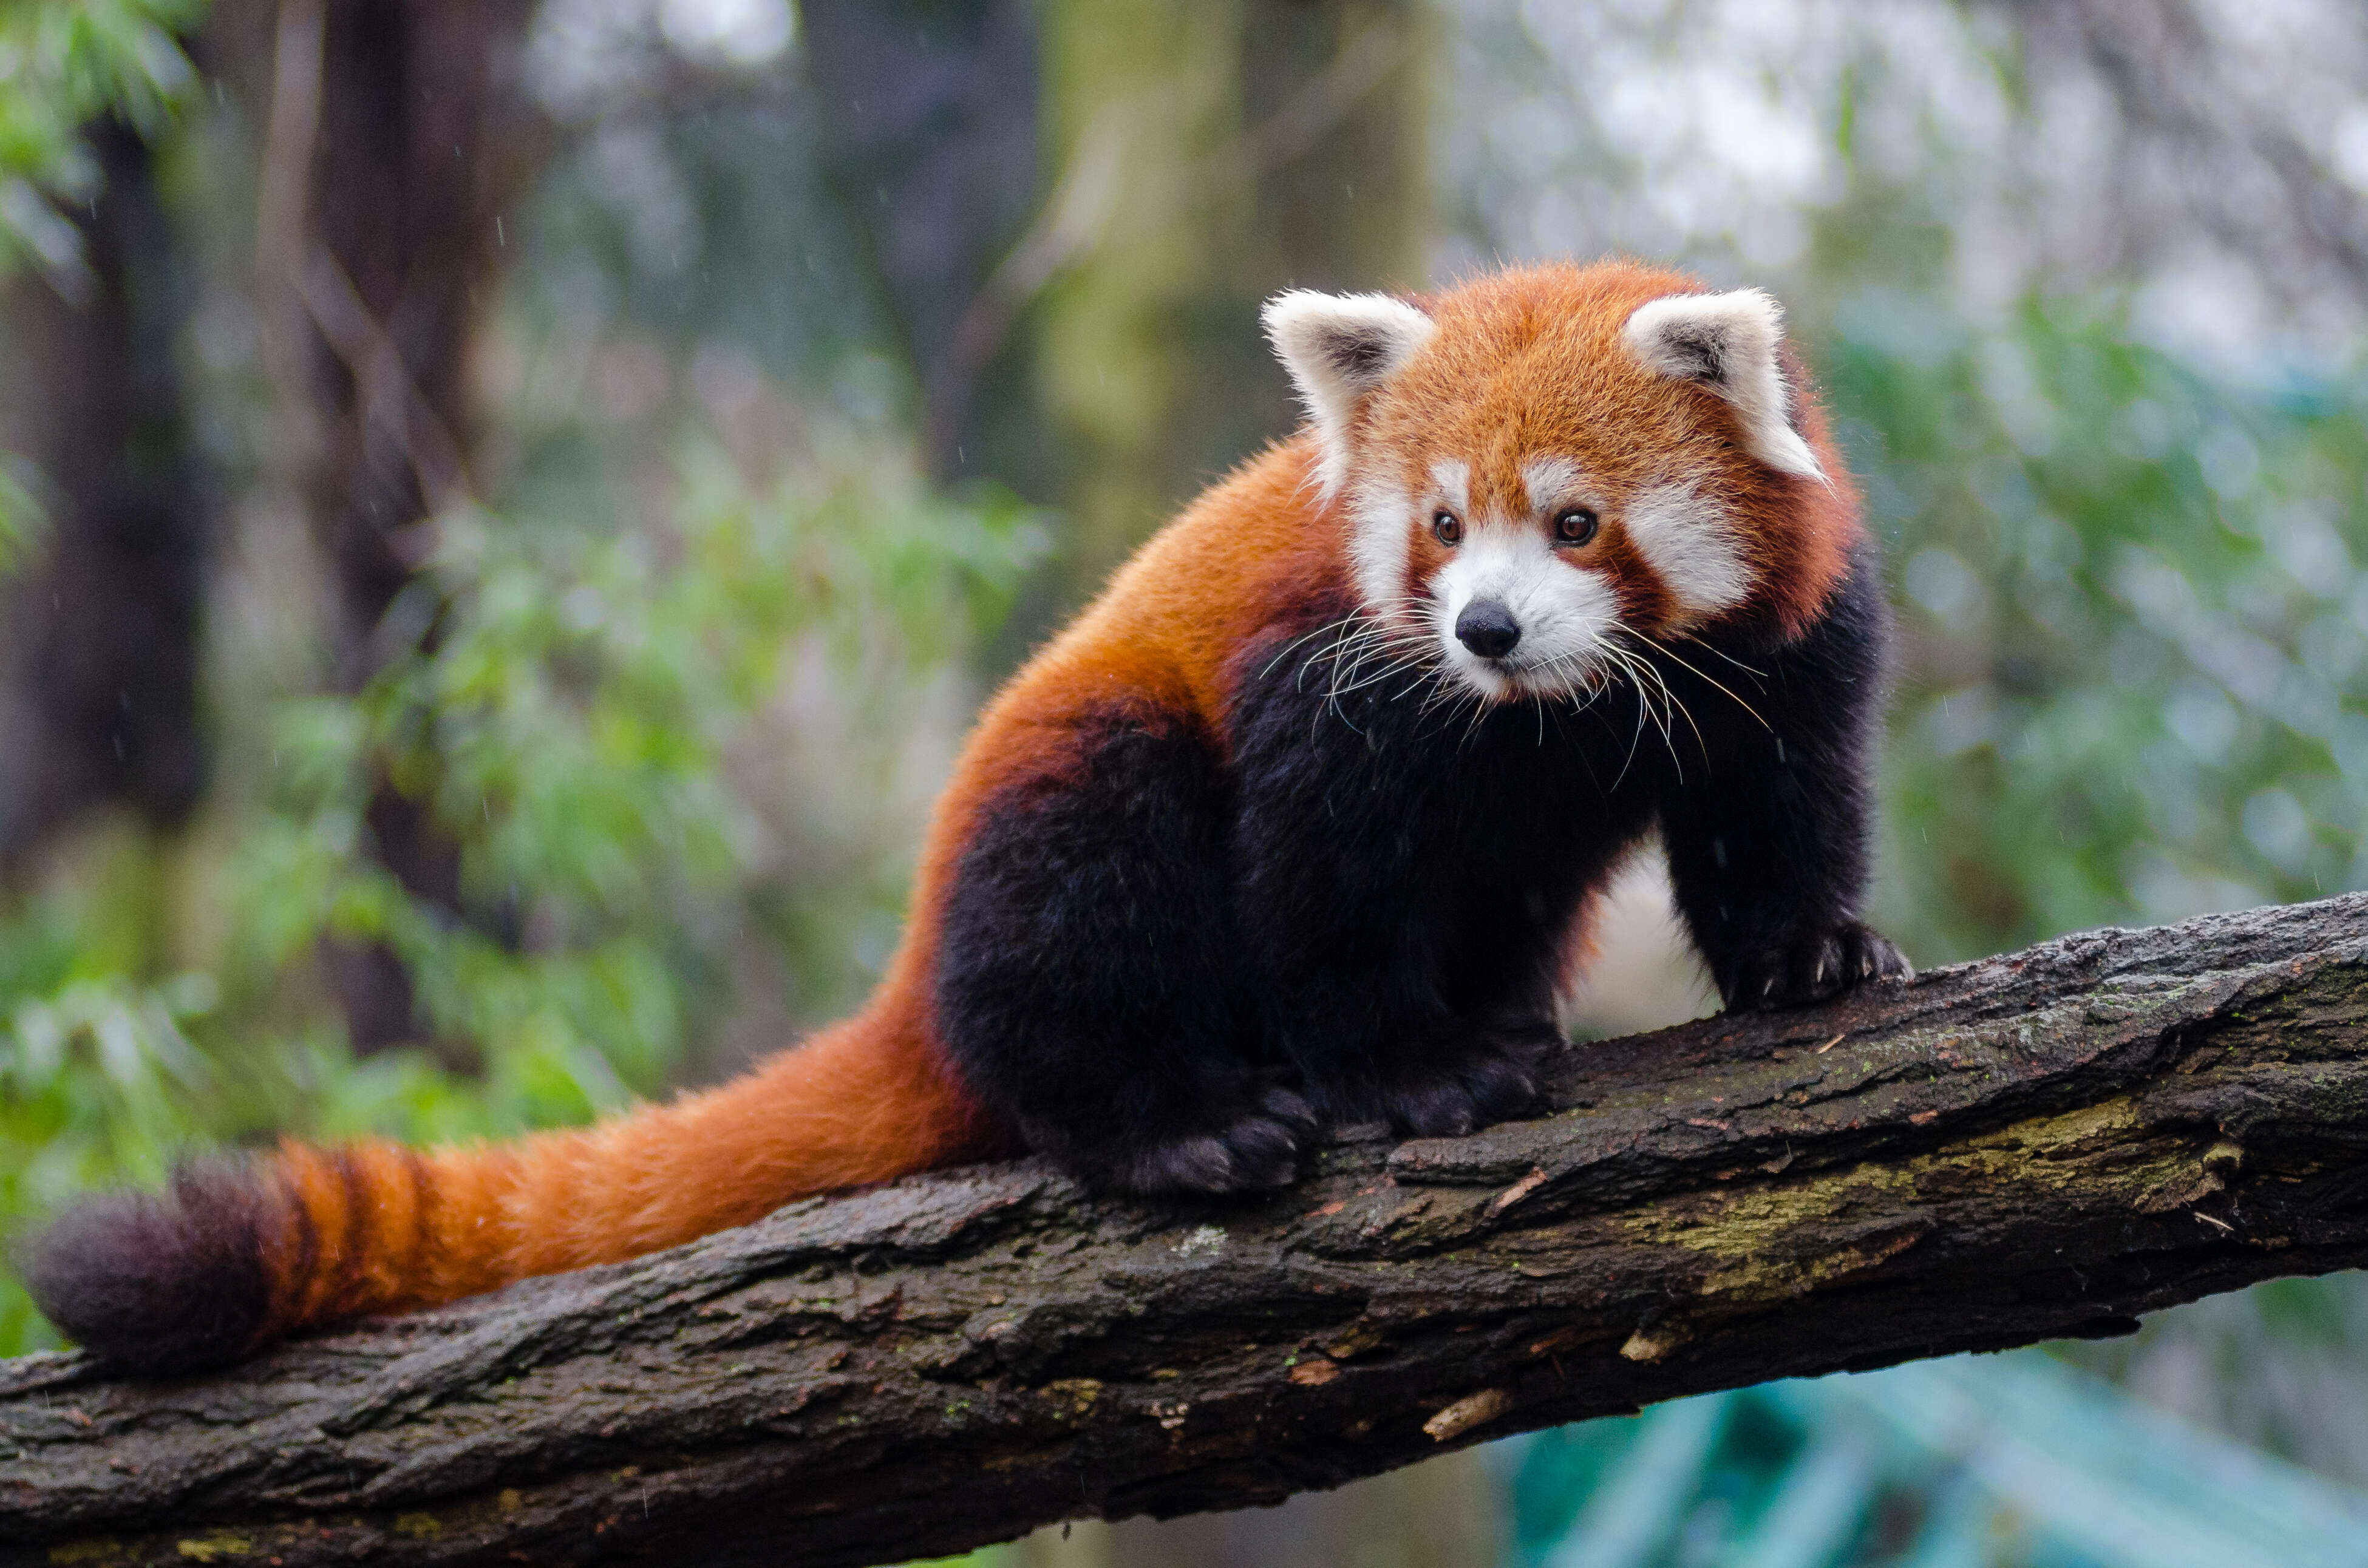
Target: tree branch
x,y
2037,1145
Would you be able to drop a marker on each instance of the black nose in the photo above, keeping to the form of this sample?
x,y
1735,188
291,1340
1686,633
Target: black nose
x,y
1487,628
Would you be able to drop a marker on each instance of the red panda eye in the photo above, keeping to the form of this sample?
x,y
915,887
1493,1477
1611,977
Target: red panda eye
x,y
1575,525
1447,529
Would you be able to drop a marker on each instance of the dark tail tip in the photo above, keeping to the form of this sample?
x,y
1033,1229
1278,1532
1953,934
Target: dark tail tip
x,y
159,1282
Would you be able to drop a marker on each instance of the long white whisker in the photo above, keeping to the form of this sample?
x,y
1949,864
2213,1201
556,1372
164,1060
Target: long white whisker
x,y
1672,705
1380,677
1367,649
1472,725
1285,651
1698,674
1633,740
1663,721
1738,664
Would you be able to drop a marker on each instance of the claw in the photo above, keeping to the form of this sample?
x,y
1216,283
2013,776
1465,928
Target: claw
x,y
1291,1109
1812,966
1488,1086
1189,1165
1258,1152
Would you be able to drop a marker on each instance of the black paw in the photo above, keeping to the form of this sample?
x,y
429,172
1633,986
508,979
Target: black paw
x,y
1813,967
1489,1086
1256,1152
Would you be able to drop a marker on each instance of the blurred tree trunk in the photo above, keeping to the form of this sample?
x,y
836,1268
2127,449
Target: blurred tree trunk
x,y
98,643
1258,144
932,149
398,136
1201,158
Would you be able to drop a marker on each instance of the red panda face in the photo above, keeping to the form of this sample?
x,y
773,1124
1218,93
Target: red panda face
x,y
1529,581
1544,473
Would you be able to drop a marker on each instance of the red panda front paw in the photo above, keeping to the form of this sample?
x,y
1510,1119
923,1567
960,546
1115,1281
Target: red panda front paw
x,y
1258,1152
1486,1087
1814,967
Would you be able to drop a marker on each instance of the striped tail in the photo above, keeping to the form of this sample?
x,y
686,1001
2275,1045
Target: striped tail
x,y
233,1254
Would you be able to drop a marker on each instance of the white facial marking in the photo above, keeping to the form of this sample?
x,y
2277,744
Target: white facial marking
x,y
1689,541
1553,483
1563,611
1378,515
1454,481
1727,343
1338,348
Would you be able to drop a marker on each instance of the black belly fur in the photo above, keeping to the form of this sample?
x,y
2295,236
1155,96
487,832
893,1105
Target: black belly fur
x,y
1162,965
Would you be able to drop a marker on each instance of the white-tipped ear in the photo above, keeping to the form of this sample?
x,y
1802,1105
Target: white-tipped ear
x,y
1727,343
1338,347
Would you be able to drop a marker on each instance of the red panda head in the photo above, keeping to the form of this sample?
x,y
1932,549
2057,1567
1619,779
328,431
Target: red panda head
x,y
1540,465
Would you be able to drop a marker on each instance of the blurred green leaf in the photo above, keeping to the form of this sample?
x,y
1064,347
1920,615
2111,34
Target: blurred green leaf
x,y
2134,626
587,717
64,64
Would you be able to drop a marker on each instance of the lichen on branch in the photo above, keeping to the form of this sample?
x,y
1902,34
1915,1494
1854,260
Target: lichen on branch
x,y
2037,1145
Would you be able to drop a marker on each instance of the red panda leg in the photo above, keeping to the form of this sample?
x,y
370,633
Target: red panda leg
x,y
1090,988
1768,845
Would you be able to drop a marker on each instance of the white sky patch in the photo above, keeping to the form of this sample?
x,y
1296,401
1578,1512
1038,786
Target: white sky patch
x,y
580,52
1714,132
584,57
743,34
2350,146
1690,545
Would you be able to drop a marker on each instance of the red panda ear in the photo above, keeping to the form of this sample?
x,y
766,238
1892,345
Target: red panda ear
x,y
1727,343
1338,348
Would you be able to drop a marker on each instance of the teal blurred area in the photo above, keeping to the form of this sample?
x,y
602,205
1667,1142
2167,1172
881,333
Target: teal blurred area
x,y
2013,1461
2008,1462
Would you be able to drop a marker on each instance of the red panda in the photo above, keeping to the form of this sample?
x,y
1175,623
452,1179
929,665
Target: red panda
x,y
1297,824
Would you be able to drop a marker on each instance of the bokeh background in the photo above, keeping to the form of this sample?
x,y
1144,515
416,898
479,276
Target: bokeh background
x,y
509,505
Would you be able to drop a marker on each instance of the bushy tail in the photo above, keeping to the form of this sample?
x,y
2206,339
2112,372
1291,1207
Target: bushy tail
x,y
233,1254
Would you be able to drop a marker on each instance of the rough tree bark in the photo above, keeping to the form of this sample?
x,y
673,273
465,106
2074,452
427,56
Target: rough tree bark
x,y
2033,1146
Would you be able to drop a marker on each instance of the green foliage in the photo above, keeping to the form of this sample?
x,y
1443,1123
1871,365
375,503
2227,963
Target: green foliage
x,y
2016,1461
2278,1366
99,1078
568,717
64,64
2137,636
22,521
676,758
585,716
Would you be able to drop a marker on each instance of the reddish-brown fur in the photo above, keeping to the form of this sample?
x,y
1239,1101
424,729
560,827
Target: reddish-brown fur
x,y
1530,361
1524,362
